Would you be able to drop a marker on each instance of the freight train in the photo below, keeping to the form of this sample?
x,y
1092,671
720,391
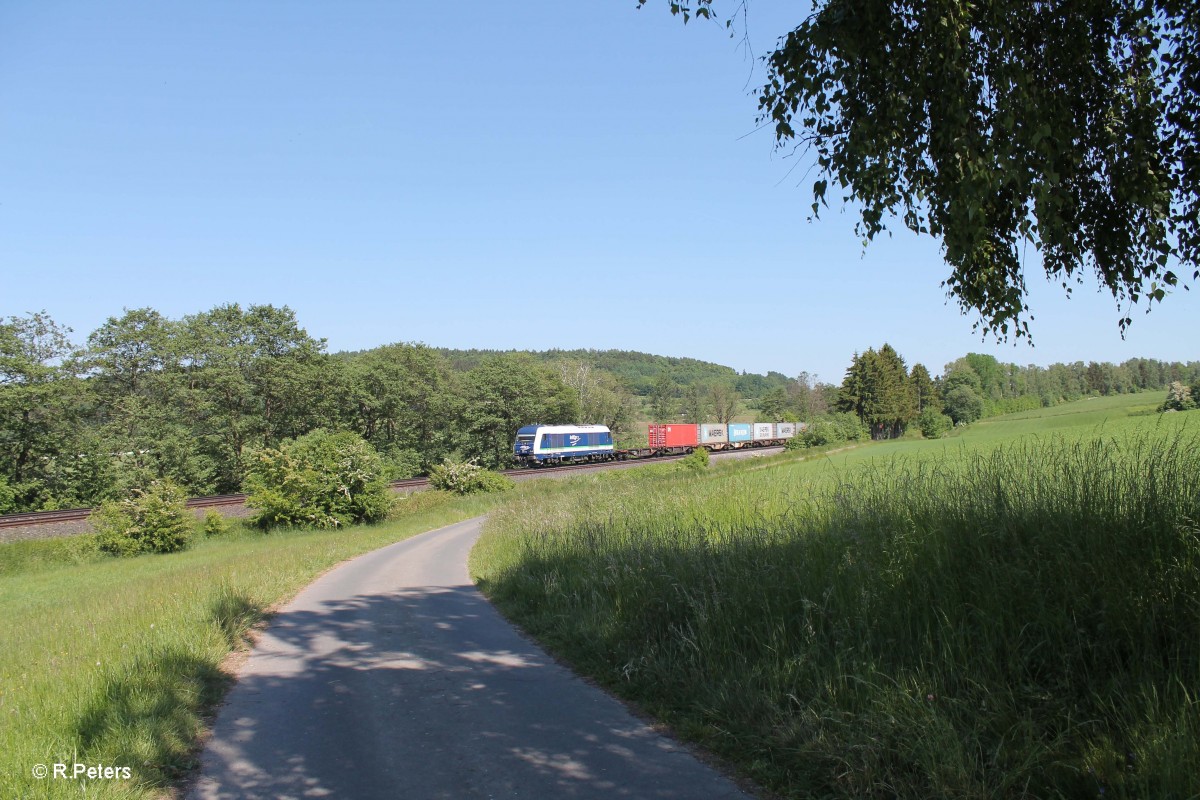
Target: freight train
x,y
555,444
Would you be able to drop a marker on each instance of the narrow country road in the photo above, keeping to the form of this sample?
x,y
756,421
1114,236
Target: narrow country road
x,y
392,677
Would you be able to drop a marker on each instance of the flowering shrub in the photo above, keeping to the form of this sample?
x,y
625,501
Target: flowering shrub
x,y
1179,398
467,477
322,479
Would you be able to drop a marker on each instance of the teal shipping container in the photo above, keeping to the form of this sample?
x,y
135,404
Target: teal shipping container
x,y
740,431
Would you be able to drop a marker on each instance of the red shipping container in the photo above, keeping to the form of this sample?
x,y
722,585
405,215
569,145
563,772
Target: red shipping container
x,y
673,435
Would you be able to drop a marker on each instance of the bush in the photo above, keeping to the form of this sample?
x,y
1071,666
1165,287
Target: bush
x,y
323,479
934,424
150,520
1179,398
851,428
214,524
467,477
696,461
833,429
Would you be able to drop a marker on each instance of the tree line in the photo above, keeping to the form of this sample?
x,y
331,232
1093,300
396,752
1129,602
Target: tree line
x,y
885,395
192,400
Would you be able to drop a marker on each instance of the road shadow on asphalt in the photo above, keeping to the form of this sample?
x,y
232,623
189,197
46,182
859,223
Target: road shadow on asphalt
x,y
428,693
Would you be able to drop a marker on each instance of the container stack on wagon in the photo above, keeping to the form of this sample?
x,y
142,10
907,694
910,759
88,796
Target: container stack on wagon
x,y
670,436
716,436
673,439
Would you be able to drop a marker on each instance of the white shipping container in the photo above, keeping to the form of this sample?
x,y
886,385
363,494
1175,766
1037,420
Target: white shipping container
x,y
711,434
785,430
764,430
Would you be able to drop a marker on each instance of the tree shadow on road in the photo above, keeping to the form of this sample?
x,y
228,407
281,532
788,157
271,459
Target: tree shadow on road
x,y
428,693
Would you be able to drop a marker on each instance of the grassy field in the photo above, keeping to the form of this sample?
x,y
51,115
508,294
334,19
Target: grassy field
x,y
115,662
1010,612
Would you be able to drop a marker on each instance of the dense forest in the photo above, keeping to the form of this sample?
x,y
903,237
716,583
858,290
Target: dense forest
x,y
148,397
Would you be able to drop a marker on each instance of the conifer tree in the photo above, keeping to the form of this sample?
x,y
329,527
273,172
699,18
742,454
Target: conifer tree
x,y
924,392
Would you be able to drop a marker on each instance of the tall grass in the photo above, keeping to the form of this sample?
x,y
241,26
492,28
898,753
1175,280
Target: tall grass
x,y
1020,622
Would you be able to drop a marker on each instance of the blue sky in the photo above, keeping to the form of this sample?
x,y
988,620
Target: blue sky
x,y
435,171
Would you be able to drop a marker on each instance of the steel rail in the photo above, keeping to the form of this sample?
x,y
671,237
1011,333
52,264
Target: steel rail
x,y
31,518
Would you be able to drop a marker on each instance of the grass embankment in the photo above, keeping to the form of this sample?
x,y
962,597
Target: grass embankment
x,y
116,661
968,620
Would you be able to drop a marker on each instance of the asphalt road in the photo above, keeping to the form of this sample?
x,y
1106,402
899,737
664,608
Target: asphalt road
x,y
392,677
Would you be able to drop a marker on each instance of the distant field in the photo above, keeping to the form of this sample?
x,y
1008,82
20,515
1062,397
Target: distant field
x,y
1013,611
1079,416
1109,416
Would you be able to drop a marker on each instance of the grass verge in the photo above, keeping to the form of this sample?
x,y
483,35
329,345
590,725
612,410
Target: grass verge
x,y
116,662
1012,619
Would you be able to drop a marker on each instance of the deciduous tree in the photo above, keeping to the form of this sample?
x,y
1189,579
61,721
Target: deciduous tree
x,y
39,410
724,402
401,402
662,399
774,403
1073,127
257,377
504,393
144,414
963,404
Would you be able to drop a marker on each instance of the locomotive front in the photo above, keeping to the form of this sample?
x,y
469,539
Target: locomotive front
x,y
523,446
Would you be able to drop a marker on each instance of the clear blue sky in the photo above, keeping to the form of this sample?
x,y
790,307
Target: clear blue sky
x,y
433,171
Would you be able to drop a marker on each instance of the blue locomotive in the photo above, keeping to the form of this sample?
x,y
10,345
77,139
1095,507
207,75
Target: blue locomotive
x,y
553,444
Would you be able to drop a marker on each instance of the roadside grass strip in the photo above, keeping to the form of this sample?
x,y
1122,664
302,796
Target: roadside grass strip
x,y
115,663
1004,618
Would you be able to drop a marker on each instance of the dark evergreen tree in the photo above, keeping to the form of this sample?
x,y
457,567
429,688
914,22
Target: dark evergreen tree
x,y
924,392
877,389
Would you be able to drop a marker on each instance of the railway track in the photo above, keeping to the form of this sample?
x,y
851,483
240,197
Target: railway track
x,y
29,518
35,518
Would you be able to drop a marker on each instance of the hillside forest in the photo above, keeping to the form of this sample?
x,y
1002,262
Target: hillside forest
x,y
190,400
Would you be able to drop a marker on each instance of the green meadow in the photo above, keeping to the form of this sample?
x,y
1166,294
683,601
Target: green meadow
x,y
1010,612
